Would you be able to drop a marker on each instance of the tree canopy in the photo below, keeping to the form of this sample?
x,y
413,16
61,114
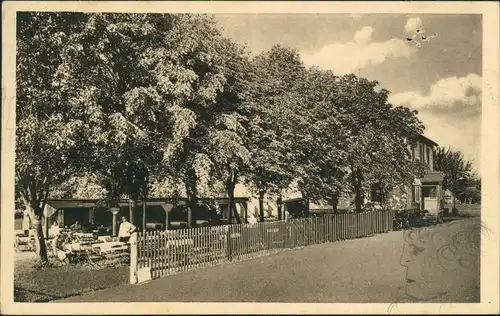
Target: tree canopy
x,y
459,176
47,135
137,102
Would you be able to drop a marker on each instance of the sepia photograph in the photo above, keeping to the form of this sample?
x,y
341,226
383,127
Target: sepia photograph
x,y
250,157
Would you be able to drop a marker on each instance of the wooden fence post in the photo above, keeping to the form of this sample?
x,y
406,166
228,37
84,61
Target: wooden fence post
x,y
229,243
133,258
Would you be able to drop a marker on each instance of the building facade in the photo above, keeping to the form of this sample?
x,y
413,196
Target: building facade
x,y
426,193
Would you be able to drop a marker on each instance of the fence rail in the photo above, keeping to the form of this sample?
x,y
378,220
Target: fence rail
x,y
164,253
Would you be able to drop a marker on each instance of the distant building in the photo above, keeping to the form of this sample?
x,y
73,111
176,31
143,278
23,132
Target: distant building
x,y
426,192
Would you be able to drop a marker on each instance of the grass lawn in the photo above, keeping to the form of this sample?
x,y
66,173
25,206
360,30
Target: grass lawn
x,y
469,209
33,283
464,210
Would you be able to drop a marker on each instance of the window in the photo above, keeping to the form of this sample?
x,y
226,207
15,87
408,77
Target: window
x,y
428,152
429,192
416,194
377,194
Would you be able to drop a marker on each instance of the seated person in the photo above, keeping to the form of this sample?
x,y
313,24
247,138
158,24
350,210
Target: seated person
x,y
60,247
76,226
101,230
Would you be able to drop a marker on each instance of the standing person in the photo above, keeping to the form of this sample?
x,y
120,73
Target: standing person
x,y
54,230
287,216
126,229
93,227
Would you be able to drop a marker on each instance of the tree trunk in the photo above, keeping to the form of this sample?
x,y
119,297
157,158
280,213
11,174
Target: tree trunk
x,y
358,191
236,215
192,206
145,194
334,201
132,204
454,204
192,194
232,214
144,208
261,206
280,208
35,216
41,249
230,194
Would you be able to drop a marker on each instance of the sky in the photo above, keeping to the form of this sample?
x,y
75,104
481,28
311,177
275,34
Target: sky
x,y
442,79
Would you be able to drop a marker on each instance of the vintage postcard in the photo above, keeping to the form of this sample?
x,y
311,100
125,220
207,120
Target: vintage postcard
x,y
250,157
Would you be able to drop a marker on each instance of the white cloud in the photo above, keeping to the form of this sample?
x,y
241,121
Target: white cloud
x,y
413,24
450,113
344,58
444,93
364,35
460,134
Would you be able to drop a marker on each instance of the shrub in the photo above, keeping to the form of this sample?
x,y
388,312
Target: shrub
x,y
401,219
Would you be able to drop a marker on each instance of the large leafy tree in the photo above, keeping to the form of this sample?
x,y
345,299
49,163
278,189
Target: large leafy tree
x,y
470,194
392,165
148,71
47,134
320,139
215,149
277,73
458,172
223,135
378,136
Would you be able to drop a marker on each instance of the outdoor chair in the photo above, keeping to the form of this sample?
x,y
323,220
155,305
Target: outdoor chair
x,y
24,243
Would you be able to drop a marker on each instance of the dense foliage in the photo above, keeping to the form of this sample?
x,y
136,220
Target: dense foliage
x,y
47,135
459,176
141,103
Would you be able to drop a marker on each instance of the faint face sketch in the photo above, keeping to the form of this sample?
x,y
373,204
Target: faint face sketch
x,y
437,258
417,258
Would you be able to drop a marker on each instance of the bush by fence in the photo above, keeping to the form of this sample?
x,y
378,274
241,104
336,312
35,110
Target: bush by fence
x,y
168,252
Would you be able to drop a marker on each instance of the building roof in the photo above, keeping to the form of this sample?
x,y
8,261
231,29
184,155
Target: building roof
x,y
427,141
293,200
88,203
434,176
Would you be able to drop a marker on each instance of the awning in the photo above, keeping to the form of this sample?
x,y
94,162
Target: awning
x,y
432,177
90,203
68,204
292,200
